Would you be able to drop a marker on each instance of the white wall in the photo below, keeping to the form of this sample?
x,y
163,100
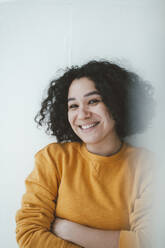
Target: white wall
x,y
37,38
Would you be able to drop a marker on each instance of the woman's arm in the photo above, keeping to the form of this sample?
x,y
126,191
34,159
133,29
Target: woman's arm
x,y
85,236
34,219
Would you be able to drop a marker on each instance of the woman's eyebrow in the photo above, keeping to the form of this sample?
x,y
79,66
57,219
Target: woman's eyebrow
x,y
88,94
92,93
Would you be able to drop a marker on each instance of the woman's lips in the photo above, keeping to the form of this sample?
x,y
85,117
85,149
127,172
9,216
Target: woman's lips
x,y
87,127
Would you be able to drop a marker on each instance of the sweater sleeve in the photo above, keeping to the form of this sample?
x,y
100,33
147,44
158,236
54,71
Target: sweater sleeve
x,y
140,234
33,229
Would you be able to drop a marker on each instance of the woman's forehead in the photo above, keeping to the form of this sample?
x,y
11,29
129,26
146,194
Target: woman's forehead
x,y
81,87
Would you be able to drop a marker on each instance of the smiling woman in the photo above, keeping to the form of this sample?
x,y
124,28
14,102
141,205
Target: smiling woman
x,y
90,119
91,189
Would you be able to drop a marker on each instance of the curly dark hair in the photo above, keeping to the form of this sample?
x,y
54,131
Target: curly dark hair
x,y
128,98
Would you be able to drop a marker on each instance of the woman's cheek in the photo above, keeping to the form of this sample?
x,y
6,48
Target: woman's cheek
x,y
71,117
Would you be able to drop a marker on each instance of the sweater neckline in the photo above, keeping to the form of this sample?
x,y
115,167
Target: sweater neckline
x,y
99,158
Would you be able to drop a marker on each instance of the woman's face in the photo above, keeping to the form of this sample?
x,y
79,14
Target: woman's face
x,y
87,114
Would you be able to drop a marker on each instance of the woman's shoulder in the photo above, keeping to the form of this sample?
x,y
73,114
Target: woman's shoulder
x,y
139,151
141,159
58,149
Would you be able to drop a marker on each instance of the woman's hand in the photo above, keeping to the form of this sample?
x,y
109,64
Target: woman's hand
x,y
63,228
85,236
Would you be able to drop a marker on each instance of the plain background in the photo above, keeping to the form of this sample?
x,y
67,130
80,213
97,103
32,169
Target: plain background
x,y
37,38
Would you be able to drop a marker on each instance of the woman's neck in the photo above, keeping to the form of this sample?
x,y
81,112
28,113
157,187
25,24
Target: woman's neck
x,y
108,148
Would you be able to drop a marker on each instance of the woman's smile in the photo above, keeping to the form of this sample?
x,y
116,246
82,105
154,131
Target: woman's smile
x,y
88,127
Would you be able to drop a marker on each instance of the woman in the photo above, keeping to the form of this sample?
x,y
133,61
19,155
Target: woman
x,y
90,189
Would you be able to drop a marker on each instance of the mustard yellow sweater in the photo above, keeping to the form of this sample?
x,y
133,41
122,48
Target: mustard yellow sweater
x,y
111,193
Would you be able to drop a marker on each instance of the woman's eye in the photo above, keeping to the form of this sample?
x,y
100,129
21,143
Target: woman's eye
x,y
94,101
73,106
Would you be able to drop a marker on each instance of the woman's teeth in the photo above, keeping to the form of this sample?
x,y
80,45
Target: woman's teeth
x,y
84,127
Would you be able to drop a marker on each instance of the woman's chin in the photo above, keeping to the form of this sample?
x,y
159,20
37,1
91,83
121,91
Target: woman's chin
x,y
89,140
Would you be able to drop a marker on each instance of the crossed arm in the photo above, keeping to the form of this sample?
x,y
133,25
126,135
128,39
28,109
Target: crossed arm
x,y
37,213
38,210
85,236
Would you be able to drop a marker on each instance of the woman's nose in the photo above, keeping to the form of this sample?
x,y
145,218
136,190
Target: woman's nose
x,y
83,113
